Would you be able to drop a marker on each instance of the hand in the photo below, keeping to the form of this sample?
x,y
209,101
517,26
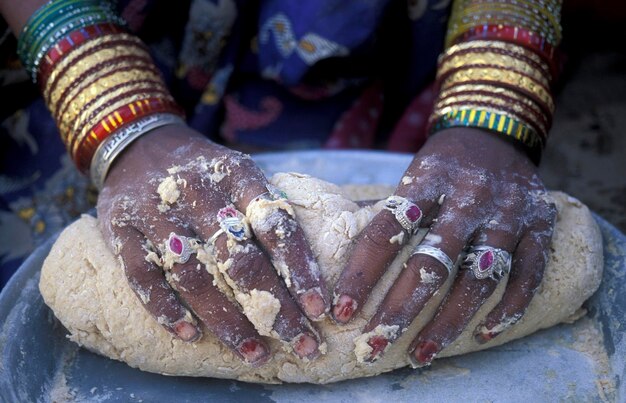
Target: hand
x,y
137,222
493,197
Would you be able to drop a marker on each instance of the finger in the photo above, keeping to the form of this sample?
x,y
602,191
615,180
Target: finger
x,y
529,262
280,235
148,283
422,276
261,293
467,295
196,287
374,250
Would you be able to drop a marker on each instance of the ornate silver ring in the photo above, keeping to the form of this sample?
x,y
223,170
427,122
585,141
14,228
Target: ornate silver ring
x,y
435,253
487,262
233,223
179,247
406,212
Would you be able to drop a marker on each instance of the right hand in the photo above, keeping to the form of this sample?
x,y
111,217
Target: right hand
x,y
210,177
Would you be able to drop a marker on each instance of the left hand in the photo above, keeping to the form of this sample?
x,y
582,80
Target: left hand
x,y
493,197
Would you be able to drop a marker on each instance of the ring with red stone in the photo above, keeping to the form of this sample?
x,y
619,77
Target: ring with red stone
x,y
406,212
233,223
179,247
487,262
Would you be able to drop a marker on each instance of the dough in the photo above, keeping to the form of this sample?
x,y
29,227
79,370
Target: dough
x,y
86,288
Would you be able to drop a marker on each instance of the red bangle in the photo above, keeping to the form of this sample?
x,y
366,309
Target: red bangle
x,y
71,41
519,36
115,121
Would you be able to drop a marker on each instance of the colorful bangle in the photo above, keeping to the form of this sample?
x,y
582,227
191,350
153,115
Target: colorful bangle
x,y
509,79
505,94
72,40
511,34
96,79
539,18
85,148
488,120
489,60
55,20
513,109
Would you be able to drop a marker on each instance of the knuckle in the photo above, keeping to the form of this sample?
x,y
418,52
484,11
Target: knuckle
x,y
380,231
246,262
191,278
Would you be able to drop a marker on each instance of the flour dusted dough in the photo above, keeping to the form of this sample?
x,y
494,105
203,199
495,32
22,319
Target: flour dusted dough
x,y
85,286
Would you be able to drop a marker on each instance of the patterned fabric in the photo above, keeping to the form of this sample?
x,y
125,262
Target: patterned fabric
x,y
279,75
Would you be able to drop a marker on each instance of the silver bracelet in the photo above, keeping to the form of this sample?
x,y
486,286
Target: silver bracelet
x,y
113,145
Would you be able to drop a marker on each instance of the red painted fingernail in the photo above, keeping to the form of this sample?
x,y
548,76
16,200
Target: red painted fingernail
x,y
378,345
425,352
186,331
254,351
313,303
483,338
344,309
306,346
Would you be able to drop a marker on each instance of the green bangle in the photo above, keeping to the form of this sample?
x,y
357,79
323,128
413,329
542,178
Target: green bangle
x,y
36,24
55,20
490,120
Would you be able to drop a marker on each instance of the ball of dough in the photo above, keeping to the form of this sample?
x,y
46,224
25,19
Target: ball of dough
x,y
85,286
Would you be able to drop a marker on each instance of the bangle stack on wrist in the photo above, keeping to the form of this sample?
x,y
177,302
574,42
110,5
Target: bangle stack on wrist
x,y
498,68
96,79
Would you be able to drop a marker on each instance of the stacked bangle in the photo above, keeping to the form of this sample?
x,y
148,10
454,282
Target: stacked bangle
x,y
97,80
497,69
541,17
55,20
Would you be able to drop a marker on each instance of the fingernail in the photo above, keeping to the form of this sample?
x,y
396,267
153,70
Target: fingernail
x,y
344,309
482,338
378,345
313,303
425,352
254,351
186,331
306,346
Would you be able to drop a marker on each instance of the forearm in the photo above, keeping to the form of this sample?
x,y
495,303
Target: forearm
x,y
498,68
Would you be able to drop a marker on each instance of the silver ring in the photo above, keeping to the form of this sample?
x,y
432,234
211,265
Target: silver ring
x,y
407,213
179,247
232,223
273,193
487,262
435,253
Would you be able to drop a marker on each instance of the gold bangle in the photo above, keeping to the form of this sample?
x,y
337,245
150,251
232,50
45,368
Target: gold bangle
x,y
541,67
493,89
82,127
72,115
496,103
487,59
499,76
96,88
504,46
56,88
74,55
90,78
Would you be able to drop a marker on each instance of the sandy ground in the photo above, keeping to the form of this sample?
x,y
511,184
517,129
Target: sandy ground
x,y
586,154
